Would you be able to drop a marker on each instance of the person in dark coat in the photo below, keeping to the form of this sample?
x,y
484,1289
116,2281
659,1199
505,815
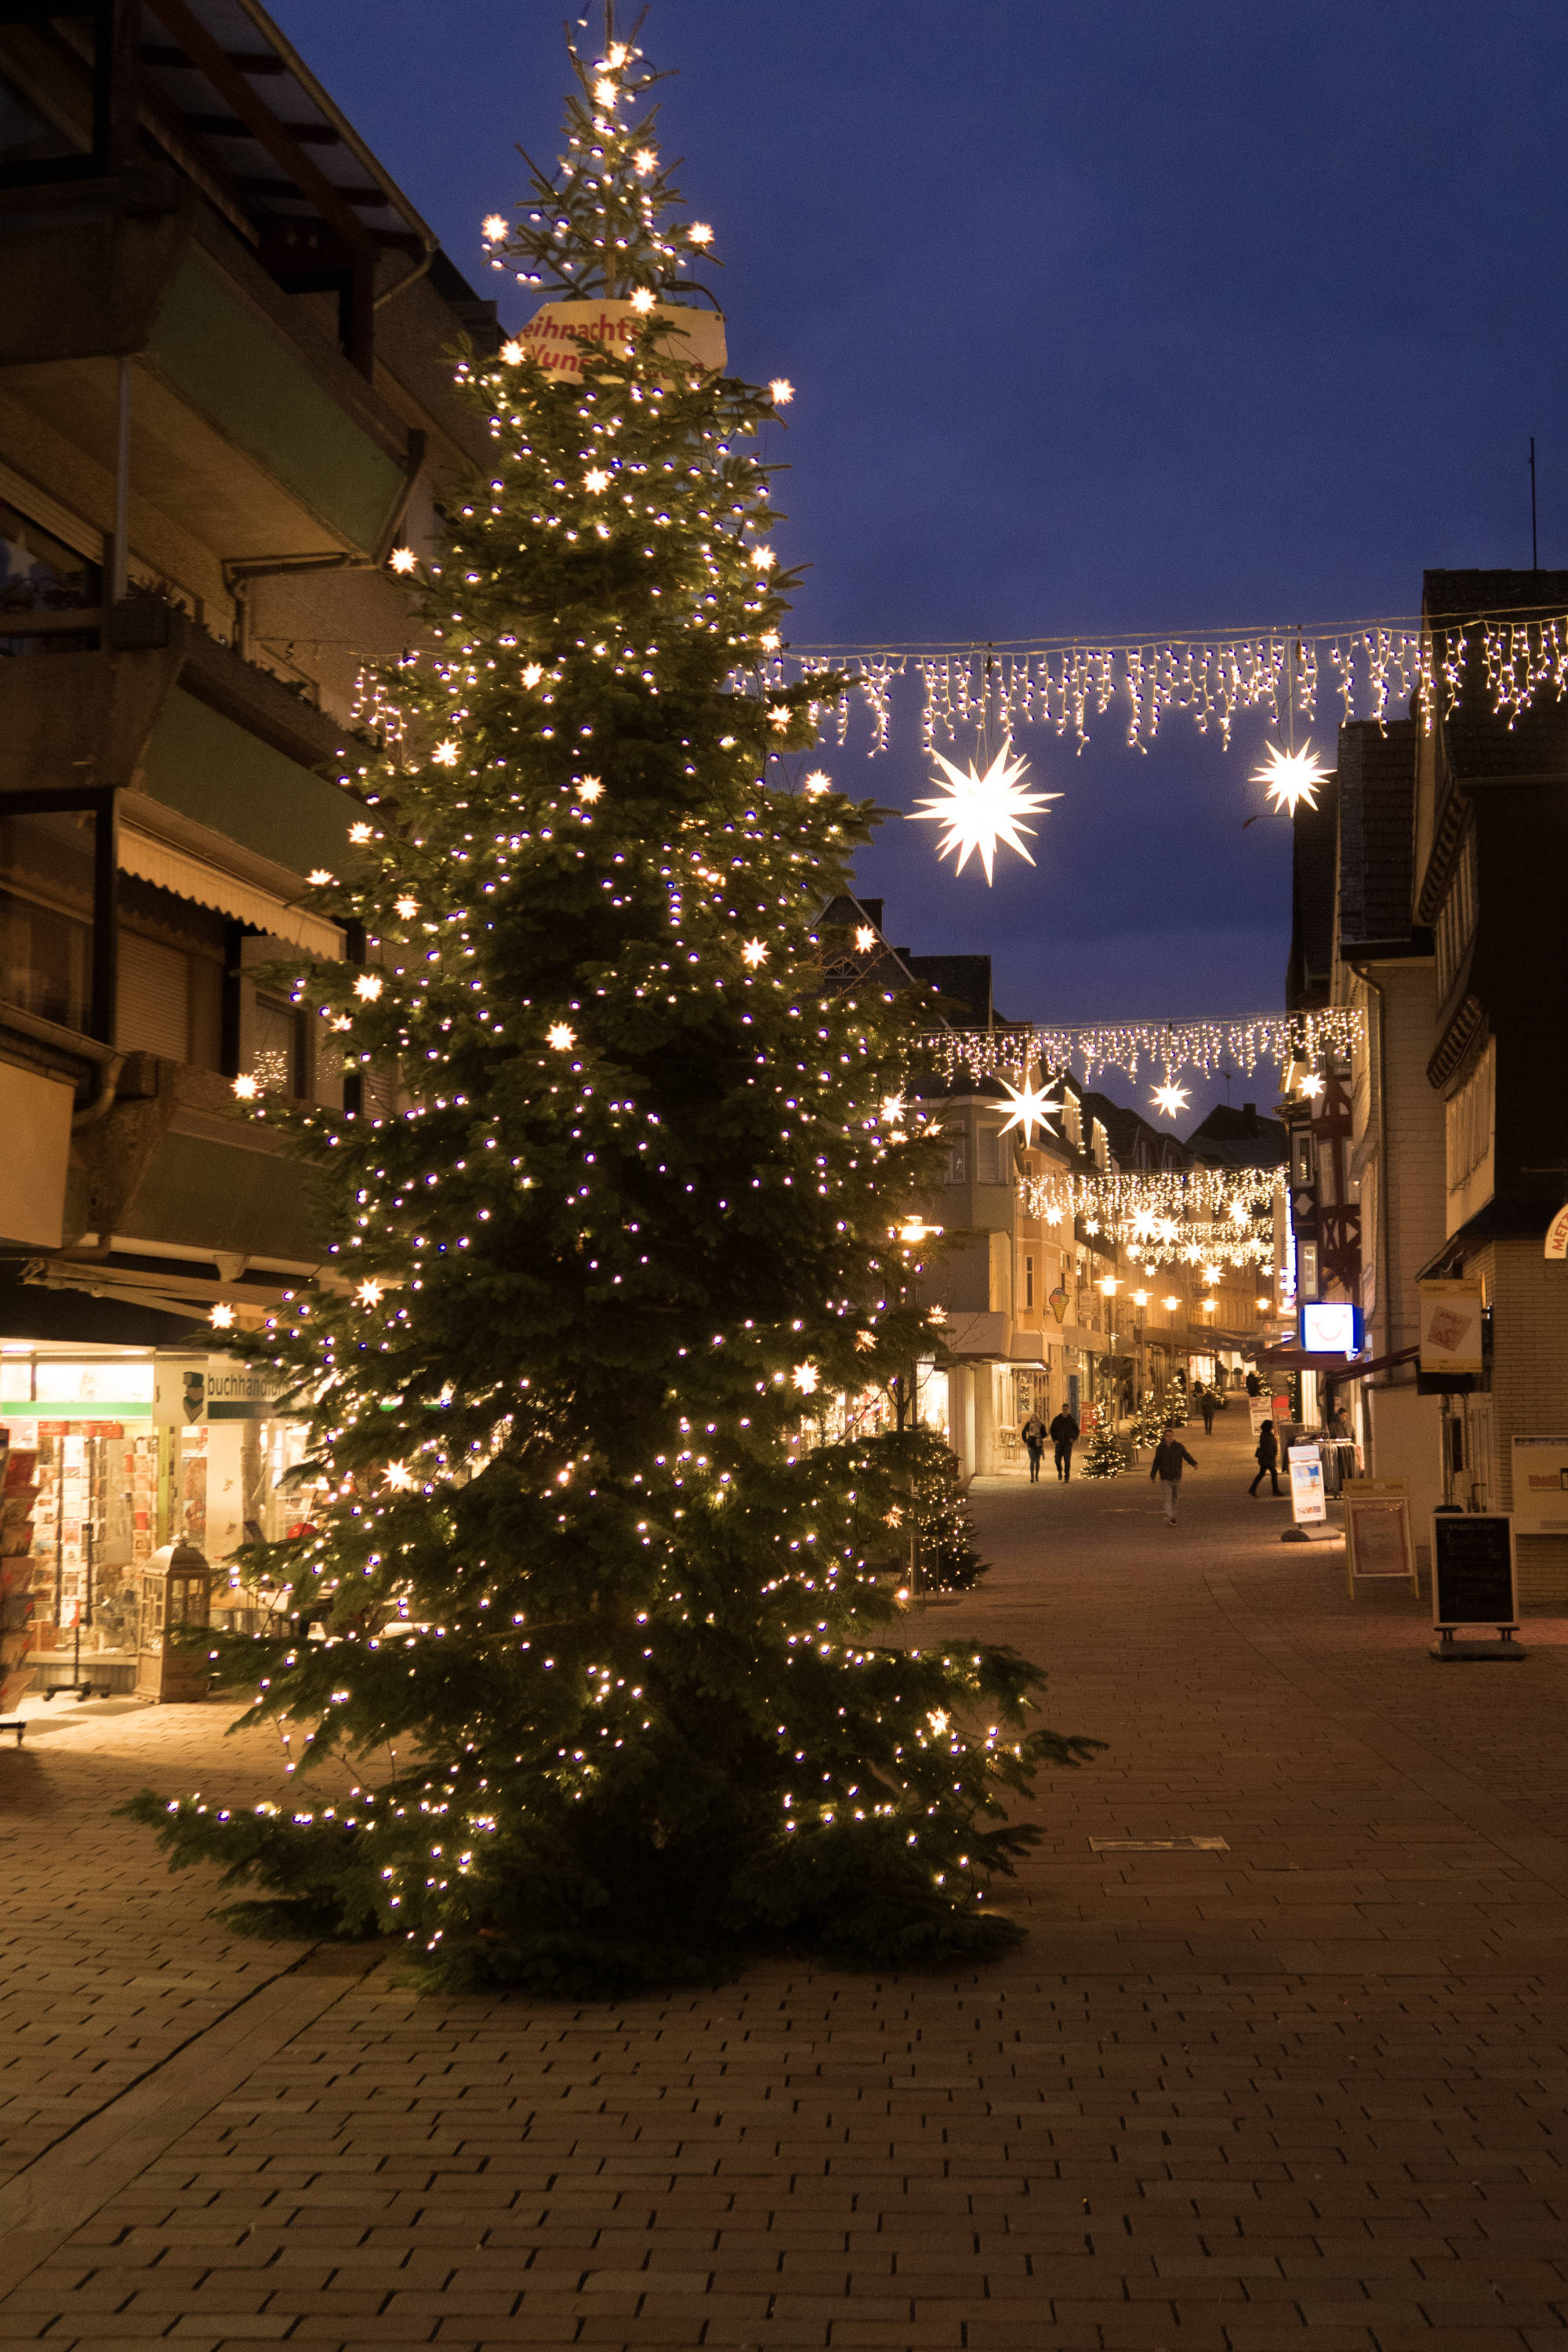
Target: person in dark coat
x,y
1064,1435
1034,1436
1254,1385
1169,1456
1266,1458
1206,1401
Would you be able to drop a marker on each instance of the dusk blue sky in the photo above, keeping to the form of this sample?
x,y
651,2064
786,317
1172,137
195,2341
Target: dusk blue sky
x,y
1115,316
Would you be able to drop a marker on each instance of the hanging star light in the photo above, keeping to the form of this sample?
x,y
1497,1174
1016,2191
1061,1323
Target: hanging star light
x,y
979,811
1170,1098
1031,1107
1291,777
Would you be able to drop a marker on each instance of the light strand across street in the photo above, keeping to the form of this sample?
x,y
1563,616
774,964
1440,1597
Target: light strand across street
x,y
1375,669
1133,1046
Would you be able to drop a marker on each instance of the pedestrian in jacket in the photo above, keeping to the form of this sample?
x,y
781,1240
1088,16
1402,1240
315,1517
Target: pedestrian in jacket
x,y
1206,1402
1064,1435
1034,1436
1169,1456
1254,1385
1267,1458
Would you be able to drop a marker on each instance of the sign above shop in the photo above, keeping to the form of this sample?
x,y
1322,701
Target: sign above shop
x,y
191,1391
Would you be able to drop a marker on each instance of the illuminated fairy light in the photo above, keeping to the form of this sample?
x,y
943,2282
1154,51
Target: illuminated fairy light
x,y
1170,1099
1206,1046
562,1035
360,834
1293,778
246,1086
978,811
1030,1107
446,754
320,879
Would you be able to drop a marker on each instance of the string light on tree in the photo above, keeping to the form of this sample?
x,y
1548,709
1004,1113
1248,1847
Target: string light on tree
x,y
575,1375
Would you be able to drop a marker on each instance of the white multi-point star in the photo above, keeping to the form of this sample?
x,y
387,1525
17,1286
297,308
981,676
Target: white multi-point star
x,y
979,811
1291,777
1030,1107
1170,1098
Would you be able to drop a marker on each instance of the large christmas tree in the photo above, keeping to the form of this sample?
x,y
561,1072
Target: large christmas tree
x,y
586,1569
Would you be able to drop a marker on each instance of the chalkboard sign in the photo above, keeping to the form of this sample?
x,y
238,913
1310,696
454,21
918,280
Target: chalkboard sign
x,y
1473,1579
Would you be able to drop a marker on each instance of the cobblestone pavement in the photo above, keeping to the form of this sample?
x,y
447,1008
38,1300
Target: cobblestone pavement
x,y
1304,2089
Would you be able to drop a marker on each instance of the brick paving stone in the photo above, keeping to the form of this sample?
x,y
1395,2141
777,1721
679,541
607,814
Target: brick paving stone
x,y
1303,2093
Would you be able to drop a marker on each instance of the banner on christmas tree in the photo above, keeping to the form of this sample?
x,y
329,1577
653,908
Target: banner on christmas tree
x,y
555,335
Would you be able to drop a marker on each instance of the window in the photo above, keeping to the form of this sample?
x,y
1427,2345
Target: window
x,y
276,1045
27,137
989,1138
40,576
57,903
1457,918
956,1158
171,980
1470,1121
1028,1283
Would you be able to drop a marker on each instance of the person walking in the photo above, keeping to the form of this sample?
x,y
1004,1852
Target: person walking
x,y
1266,1458
1254,1385
1064,1436
1034,1436
1206,1401
1169,1456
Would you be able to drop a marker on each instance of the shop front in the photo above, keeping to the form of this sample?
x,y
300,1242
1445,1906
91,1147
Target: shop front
x,y
111,1455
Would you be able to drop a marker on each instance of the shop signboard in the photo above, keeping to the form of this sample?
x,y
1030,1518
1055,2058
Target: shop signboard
x,y
1475,1582
1377,1531
1539,1485
190,1391
1557,1235
1451,1326
1309,1504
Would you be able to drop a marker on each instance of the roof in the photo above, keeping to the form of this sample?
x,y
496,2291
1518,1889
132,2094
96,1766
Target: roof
x,y
240,93
1376,855
963,983
1308,971
1477,741
1229,1137
1134,1141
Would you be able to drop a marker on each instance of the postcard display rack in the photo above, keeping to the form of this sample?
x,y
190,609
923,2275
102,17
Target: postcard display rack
x,y
77,1525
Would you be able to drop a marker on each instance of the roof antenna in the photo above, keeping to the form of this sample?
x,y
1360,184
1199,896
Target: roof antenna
x,y
1534,557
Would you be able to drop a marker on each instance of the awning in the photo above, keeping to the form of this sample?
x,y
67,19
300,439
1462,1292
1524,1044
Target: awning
x,y
192,877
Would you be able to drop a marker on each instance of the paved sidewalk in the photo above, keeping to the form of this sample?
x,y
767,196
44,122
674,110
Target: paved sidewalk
x,y
1304,2089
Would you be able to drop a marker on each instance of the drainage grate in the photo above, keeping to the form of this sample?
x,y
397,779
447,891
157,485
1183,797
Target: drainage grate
x,y
1160,1845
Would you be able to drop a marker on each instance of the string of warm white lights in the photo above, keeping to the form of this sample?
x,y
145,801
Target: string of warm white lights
x,y
1205,1045
1375,669
1149,1201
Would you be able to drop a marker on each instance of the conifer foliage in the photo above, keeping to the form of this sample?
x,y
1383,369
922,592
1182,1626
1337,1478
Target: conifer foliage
x,y
604,1638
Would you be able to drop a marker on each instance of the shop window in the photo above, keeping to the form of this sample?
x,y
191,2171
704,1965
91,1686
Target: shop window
x,y
57,897
40,575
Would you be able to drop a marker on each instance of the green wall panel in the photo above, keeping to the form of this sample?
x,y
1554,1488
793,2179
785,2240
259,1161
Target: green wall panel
x,y
231,366
208,767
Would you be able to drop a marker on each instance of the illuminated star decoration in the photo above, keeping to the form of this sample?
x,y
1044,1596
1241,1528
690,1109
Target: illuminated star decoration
x,y
643,299
817,784
979,811
865,937
1291,777
221,1317
1170,1098
753,953
561,1036
402,559
1312,1088
1031,1107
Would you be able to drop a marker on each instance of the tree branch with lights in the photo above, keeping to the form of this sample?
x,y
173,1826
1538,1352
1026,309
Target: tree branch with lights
x,y
579,1560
